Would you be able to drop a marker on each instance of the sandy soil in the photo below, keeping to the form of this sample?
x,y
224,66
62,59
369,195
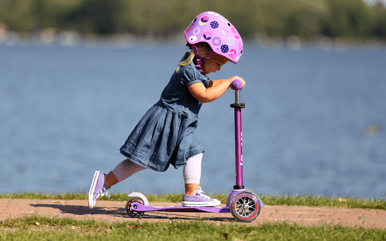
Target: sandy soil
x,y
112,211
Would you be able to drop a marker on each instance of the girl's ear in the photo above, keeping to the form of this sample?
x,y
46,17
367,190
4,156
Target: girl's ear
x,y
202,51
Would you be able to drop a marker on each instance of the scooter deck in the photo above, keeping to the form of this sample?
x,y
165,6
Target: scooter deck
x,y
144,208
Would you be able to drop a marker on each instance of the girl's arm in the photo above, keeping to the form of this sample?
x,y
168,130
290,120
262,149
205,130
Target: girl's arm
x,y
215,89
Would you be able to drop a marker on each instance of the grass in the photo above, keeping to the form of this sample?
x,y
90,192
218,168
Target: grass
x,y
44,228
285,199
36,227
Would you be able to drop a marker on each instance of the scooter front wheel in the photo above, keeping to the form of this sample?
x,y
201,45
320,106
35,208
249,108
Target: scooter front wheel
x,y
245,206
131,210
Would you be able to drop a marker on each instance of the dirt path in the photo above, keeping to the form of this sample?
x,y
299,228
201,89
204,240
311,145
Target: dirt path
x,y
115,211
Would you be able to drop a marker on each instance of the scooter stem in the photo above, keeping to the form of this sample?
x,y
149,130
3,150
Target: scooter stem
x,y
237,96
238,141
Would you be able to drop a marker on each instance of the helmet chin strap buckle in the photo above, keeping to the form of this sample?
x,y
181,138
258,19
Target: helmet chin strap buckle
x,y
199,65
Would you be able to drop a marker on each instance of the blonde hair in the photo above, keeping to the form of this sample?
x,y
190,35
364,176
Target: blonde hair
x,y
203,49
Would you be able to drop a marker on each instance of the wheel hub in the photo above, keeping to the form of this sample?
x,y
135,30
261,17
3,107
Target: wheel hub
x,y
131,210
245,206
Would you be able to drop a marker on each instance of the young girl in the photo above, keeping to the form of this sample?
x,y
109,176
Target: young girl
x,y
165,134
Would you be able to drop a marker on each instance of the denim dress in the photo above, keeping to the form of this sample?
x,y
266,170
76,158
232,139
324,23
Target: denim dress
x,y
165,134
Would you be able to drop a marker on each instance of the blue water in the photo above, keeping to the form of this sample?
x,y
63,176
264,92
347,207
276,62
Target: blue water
x,y
65,112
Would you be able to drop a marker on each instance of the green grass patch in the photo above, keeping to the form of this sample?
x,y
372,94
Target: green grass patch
x,y
44,228
284,199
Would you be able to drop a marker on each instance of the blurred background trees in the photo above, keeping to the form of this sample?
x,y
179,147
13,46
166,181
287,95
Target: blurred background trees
x,y
343,19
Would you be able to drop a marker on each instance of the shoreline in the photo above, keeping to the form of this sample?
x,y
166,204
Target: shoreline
x,y
51,38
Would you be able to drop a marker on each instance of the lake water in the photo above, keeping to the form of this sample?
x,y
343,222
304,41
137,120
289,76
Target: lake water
x,y
314,120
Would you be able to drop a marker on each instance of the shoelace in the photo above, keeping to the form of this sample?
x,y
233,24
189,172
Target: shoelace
x,y
103,192
201,193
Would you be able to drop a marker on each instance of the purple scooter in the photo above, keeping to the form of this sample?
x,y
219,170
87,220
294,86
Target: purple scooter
x,y
244,204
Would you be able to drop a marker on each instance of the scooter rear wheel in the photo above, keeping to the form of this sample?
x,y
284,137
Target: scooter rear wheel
x,y
130,211
245,206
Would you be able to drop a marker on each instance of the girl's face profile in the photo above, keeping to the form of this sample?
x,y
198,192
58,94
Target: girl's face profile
x,y
214,63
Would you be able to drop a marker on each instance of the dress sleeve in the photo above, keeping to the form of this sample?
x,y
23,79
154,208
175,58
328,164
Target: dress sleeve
x,y
189,77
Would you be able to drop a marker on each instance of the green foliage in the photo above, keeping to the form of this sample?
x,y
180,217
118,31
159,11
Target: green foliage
x,y
93,16
27,15
304,18
379,26
347,18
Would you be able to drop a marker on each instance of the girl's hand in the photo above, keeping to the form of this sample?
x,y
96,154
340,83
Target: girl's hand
x,y
237,77
215,89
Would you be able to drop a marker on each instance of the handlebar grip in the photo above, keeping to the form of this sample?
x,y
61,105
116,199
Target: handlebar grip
x,y
237,84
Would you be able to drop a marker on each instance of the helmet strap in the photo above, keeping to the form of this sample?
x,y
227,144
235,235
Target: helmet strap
x,y
198,60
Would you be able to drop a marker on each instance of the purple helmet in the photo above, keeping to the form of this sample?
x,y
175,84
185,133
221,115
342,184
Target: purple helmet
x,y
218,32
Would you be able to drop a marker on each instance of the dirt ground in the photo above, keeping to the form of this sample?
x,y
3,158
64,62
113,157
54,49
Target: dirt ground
x,y
113,211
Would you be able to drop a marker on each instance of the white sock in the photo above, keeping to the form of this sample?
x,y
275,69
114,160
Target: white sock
x,y
192,170
126,169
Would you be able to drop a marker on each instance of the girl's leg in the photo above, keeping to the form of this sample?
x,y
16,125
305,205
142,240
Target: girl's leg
x,y
192,173
101,182
124,170
194,196
190,188
110,179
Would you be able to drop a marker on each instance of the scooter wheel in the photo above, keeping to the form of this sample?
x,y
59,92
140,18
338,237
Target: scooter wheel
x,y
245,206
131,210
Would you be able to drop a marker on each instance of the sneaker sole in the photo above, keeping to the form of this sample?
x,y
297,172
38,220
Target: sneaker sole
x,y
91,201
200,204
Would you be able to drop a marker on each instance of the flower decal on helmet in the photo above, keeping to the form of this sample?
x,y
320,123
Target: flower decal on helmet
x,y
214,24
224,48
196,31
204,20
216,41
193,38
231,41
207,35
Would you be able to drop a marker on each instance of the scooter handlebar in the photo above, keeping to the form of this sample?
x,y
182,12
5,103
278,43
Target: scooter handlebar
x,y
237,84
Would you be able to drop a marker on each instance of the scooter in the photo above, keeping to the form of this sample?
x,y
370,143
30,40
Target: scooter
x,y
244,204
